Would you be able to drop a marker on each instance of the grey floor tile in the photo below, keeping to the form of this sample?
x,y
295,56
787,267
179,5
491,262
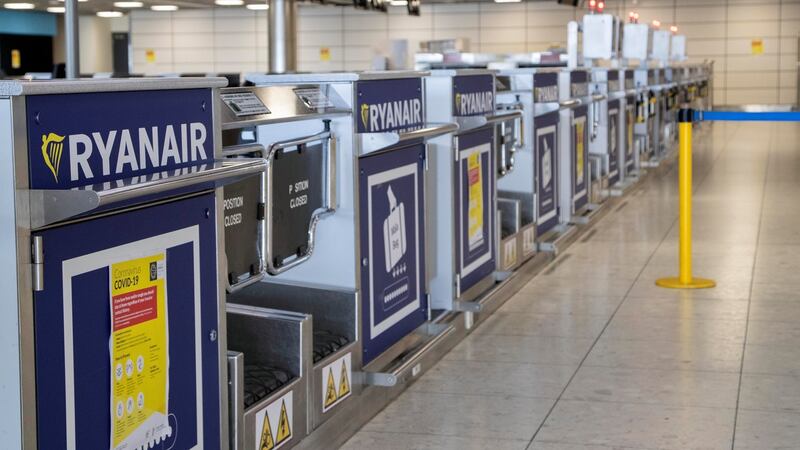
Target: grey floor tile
x,y
775,310
541,445
646,287
638,426
770,392
524,349
495,378
772,359
775,292
372,440
672,355
760,430
685,308
784,333
577,285
535,303
683,329
524,324
654,386
487,417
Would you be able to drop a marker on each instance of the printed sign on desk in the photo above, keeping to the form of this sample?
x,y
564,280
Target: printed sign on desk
x,y
545,149
580,156
83,139
613,142
475,196
391,199
122,331
389,105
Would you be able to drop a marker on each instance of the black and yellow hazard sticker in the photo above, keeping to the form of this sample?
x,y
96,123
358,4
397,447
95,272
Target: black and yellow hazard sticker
x,y
274,423
336,381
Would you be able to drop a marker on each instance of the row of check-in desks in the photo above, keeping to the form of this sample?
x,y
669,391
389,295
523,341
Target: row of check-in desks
x,y
206,267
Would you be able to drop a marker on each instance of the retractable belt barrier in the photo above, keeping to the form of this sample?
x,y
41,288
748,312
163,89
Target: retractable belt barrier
x,y
686,117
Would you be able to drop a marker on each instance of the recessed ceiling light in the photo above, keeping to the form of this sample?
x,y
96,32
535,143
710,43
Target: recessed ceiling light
x,y
108,14
257,6
56,9
79,1
19,6
398,2
507,1
229,2
128,4
164,8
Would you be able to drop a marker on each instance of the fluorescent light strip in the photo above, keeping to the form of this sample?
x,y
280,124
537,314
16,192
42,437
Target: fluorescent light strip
x,y
229,2
128,4
398,2
257,6
507,1
56,9
19,6
164,8
109,14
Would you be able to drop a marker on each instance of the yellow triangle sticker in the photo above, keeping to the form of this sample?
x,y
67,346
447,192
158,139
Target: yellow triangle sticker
x,y
284,429
344,383
330,391
267,442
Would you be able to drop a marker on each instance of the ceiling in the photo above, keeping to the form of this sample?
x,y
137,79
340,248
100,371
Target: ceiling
x,y
93,6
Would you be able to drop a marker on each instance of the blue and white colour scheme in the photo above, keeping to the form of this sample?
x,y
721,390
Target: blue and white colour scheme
x,y
389,105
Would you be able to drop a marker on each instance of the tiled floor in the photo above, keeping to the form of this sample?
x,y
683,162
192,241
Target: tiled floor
x,y
592,355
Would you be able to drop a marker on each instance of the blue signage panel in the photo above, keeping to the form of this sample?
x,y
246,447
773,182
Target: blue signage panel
x,y
389,105
630,121
580,157
545,87
392,237
473,95
613,141
168,392
83,139
546,154
475,206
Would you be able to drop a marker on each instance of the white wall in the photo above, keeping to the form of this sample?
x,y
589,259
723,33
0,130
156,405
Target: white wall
x,y
236,39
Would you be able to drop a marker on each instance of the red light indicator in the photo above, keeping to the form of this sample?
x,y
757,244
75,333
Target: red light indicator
x,y
601,6
656,24
674,29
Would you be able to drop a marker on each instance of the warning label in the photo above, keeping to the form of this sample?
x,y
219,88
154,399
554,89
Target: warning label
x,y
336,382
274,424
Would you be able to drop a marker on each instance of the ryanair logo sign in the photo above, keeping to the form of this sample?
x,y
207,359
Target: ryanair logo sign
x,y
97,154
104,137
52,149
389,105
473,95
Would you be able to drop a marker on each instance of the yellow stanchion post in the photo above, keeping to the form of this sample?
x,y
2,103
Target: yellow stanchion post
x,y
685,280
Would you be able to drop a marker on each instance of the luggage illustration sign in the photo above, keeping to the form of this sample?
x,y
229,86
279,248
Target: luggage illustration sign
x,y
546,158
391,199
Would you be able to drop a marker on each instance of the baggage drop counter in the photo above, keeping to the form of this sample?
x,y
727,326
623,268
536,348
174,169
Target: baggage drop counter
x,y
649,121
628,143
603,149
271,229
364,275
575,124
464,169
114,255
534,180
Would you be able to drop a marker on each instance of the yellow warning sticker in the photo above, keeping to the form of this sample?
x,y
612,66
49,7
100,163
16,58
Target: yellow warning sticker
x,y
274,424
336,382
139,353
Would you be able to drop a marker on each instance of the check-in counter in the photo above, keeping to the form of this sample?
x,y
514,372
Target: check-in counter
x,y
463,189
364,279
576,125
112,231
534,181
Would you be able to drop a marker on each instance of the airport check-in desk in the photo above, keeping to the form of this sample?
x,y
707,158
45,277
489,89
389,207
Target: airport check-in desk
x,y
467,248
534,180
112,227
576,122
646,129
365,278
